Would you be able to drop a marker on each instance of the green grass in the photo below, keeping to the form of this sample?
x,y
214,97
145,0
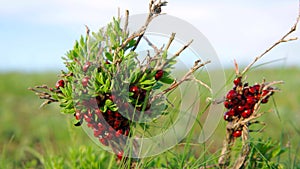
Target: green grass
x,y
31,137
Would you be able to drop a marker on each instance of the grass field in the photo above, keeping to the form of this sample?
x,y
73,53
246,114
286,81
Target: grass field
x,y
44,138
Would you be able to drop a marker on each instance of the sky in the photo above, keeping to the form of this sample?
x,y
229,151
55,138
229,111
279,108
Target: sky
x,y
35,34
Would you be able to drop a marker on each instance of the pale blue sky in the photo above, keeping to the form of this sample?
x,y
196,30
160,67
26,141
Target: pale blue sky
x,y
34,34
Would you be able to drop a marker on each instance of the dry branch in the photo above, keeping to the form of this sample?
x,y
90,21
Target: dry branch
x,y
281,40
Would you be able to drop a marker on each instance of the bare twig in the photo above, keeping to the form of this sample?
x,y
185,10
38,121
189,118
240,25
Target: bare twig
x,y
119,13
152,14
170,41
43,95
182,49
241,161
282,40
236,66
157,56
126,21
176,54
140,33
137,59
224,159
157,66
186,77
87,42
151,44
203,84
267,85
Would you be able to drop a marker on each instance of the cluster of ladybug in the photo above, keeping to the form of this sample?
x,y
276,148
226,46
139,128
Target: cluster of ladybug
x,y
110,127
241,100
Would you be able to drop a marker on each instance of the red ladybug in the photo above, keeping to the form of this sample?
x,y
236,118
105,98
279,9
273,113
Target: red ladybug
x,y
237,133
60,83
86,66
120,155
85,81
159,74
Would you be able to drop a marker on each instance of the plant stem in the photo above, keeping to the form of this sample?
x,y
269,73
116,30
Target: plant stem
x,y
241,161
224,159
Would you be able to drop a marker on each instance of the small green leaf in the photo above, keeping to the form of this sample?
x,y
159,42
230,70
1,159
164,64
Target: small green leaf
x,y
104,109
143,77
147,88
109,56
131,44
113,108
157,86
148,82
108,102
167,80
164,55
135,76
277,151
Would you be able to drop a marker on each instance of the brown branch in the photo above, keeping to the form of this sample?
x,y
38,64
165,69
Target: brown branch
x,y
176,54
87,42
236,67
152,14
157,66
140,33
282,40
170,41
228,142
203,84
119,13
151,44
241,161
267,85
43,95
157,56
186,77
182,49
126,21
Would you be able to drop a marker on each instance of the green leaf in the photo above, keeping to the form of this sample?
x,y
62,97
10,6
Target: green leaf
x,y
108,102
104,109
277,151
144,126
147,88
157,86
107,83
130,44
130,94
74,54
167,80
148,82
143,77
113,108
82,43
109,56
164,55
135,75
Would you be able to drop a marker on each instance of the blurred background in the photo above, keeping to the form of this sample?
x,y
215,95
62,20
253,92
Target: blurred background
x,y
34,35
